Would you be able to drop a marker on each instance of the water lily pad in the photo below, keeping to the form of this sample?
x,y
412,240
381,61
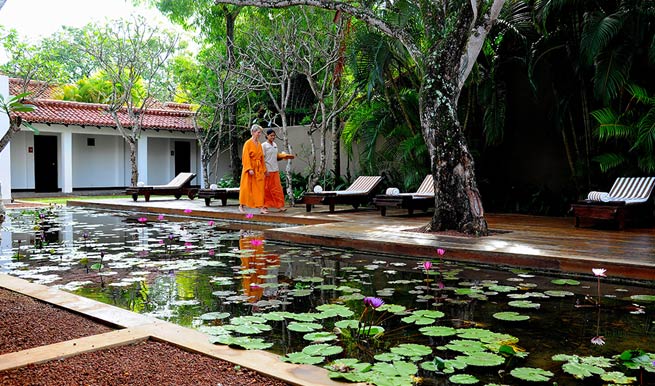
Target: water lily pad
x,y
214,316
465,346
463,379
531,374
438,331
244,342
558,294
481,359
510,316
411,350
388,357
565,282
322,350
335,310
302,358
320,336
523,304
618,377
348,323
643,298
304,327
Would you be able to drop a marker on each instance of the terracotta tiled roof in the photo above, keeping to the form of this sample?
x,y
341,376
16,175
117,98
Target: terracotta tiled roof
x,y
93,114
37,88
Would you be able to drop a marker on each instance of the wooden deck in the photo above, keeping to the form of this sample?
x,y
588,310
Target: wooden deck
x,y
549,243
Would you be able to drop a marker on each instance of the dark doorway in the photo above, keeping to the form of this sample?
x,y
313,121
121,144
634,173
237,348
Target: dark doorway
x,y
45,163
182,157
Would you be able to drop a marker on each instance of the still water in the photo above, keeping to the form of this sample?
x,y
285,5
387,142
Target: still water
x,y
441,319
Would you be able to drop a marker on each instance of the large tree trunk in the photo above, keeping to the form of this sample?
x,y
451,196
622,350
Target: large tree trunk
x,y
134,180
458,205
233,132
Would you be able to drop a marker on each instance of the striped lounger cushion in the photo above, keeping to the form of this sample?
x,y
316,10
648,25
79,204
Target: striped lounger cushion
x,y
631,190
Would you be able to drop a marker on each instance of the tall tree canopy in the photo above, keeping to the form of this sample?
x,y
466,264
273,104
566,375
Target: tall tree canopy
x,y
444,39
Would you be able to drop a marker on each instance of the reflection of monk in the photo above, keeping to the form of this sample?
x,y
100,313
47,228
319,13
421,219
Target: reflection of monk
x,y
254,258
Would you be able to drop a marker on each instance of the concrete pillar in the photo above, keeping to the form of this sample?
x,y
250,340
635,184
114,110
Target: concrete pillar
x,y
142,158
5,155
67,161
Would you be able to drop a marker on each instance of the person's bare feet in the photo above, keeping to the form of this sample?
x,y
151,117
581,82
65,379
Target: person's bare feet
x,y
283,209
264,211
241,209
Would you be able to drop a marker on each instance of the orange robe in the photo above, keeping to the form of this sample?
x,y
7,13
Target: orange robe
x,y
251,192
274,196
258,261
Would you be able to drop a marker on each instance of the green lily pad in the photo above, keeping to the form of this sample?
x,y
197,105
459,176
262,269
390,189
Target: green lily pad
x,y
304,327
388,357
643,298
481,359
347,323
463,379
502,288
510,316
214,315
531,374
465,346
302,358
565,282
392,308
335,310
523,304
558,294
411,350
320,337
618,378
322,350
349,369
437,331
244,342
581,370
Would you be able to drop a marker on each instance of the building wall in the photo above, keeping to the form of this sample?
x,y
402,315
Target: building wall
x,y
106,164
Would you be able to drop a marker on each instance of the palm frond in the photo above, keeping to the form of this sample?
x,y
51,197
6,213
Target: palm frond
x,y
612,72
609,161
598,31
641,95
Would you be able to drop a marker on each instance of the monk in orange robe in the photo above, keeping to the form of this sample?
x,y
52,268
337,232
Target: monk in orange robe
x,y
251,192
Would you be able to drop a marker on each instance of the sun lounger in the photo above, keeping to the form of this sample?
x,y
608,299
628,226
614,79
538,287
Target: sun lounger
x,y
178,186
220,194
629,199
358,193
422,199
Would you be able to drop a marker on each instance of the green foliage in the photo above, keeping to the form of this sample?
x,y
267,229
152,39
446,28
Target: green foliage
x,y
631,131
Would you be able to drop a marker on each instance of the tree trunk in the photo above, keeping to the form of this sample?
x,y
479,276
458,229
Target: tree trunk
x,y
458,205
135,170
14,127
233,132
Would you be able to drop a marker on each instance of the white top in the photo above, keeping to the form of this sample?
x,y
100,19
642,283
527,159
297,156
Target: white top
x,y
270,156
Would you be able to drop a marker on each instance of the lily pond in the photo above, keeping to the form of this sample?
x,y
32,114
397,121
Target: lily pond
x,y
385,320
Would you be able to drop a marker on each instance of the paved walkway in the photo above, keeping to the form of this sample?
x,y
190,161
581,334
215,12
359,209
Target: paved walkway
x,y
548,243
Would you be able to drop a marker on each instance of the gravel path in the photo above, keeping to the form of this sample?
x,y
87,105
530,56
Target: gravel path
x,y
27,323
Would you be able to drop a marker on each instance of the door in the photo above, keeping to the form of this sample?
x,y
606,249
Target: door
x,y
45,164
182,157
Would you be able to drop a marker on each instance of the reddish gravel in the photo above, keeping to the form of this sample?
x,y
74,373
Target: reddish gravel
x,y
27,323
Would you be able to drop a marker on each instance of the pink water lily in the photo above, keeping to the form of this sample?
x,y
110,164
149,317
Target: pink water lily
x,y
441,251
211,252
187,211
598,340
249,215
600,272
143,219
374,302
211,223
160,217
256,242
427,265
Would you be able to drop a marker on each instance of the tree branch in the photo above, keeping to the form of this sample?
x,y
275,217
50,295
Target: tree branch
x,y
363,14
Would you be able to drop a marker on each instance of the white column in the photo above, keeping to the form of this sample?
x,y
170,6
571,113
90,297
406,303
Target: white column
x,y
67,161
5,155
142,158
